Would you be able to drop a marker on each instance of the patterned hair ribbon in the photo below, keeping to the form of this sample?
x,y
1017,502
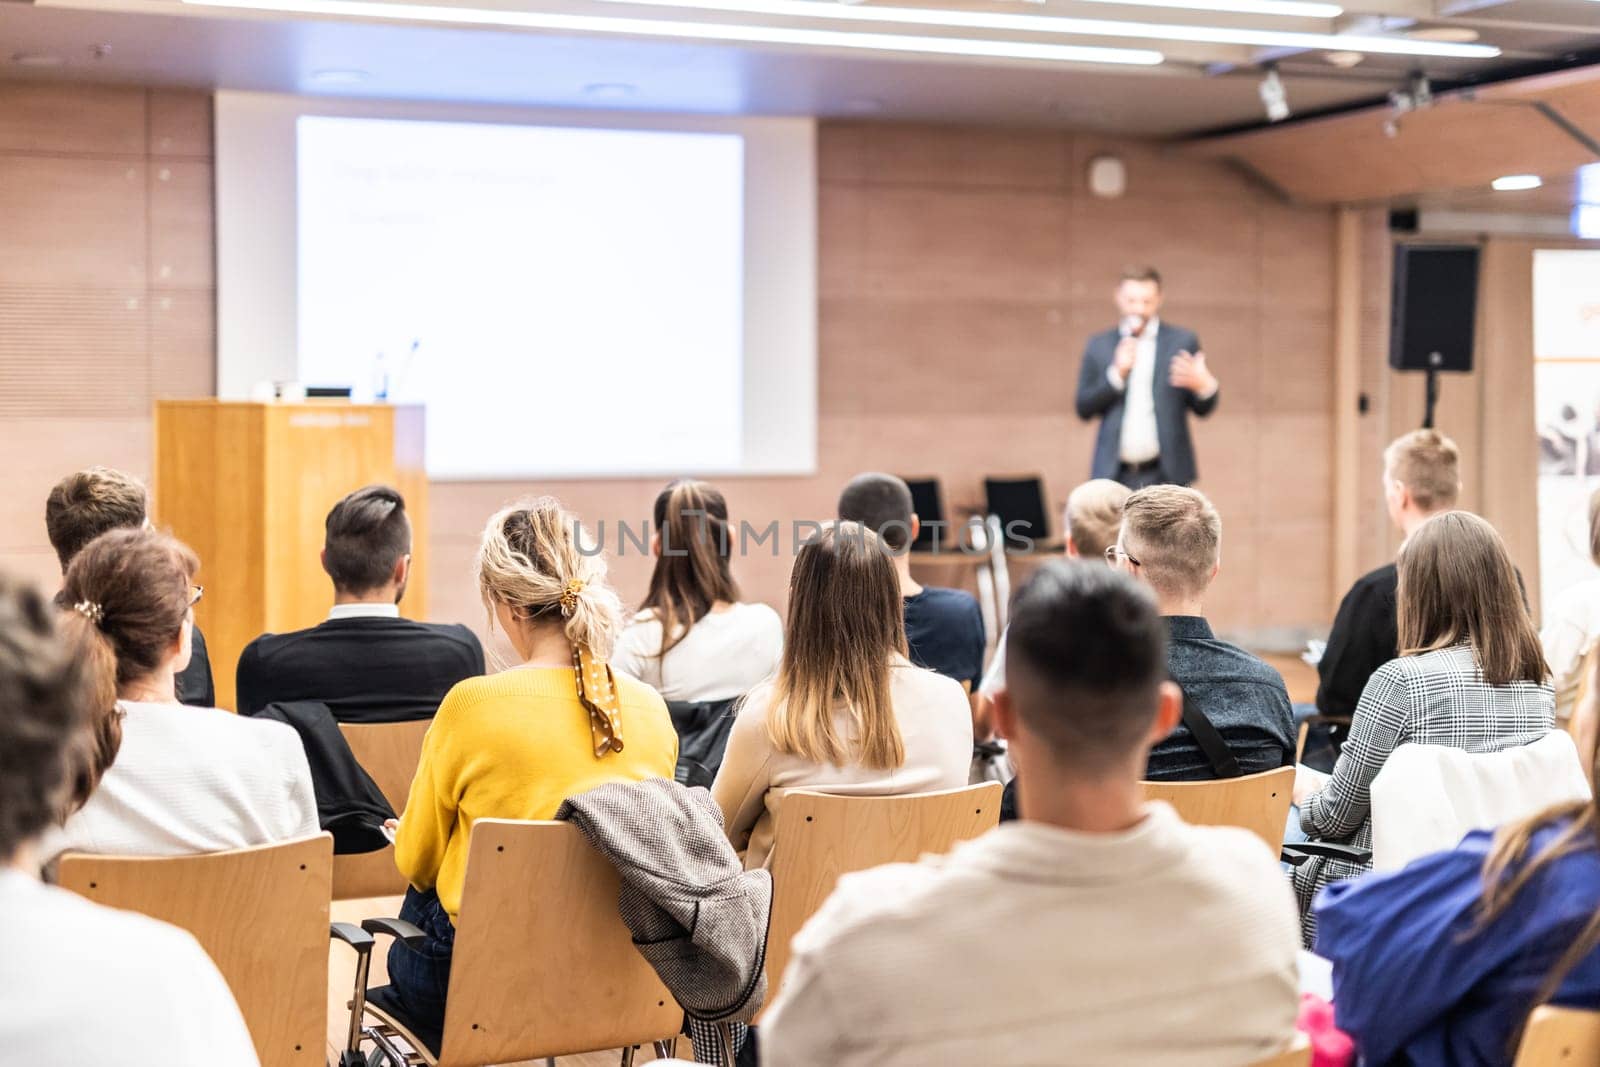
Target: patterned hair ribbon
x,y
598,693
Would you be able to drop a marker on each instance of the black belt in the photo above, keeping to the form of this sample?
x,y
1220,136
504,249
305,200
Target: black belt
x,y
1140,468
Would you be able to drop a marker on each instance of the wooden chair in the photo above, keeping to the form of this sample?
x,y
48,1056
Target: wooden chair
x,y
389,752
1298,1054
1256,802
260,913
543,965
820,837
1560,1036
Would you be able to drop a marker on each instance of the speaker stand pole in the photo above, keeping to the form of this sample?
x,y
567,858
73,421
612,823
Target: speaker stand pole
x,y
1434,359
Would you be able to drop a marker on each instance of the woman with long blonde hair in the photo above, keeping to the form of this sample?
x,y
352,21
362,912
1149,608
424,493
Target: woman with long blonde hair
x,y
693,639
514,745
847,713
1470,675
1444,960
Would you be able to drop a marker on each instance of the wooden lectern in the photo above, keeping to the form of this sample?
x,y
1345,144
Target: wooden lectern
x,y
248,486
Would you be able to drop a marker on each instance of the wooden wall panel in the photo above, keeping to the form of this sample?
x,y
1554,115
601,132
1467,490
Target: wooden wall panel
x,y
71,220
62,120
182,237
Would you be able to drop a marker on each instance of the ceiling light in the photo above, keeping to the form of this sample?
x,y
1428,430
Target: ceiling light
x,y
1514,182
609,90
1285,8
36,59
994,20
1455,34
339,77
703,31
863,105
1343,60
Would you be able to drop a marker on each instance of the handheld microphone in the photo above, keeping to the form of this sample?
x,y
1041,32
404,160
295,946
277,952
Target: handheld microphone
x,y
1132,326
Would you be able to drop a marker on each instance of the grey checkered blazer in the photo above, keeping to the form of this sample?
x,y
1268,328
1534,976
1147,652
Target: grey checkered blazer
x,y
1437,698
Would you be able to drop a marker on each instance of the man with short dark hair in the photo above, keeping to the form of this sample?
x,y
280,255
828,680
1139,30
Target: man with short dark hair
x,y
1237,717
364,661
83,506
944,627
1141,379
1099,929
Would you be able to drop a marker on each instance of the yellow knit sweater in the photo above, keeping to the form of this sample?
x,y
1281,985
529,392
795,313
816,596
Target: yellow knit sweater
x,y
514,745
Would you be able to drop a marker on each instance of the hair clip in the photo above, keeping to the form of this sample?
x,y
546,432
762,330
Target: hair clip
x,y
569,596
90,610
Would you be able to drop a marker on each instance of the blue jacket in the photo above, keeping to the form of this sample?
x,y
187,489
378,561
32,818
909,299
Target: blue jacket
x,y
1098,397
1414,979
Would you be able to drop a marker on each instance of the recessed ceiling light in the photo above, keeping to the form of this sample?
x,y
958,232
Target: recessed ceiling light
x,y
609,90
339,77
743,33
1513,182
1344,60
36,59
1448,34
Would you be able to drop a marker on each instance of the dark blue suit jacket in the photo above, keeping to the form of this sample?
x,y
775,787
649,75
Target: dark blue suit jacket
x,y
1098,397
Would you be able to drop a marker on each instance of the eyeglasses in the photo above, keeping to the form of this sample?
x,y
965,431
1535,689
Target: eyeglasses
x,y
195,593
1116,553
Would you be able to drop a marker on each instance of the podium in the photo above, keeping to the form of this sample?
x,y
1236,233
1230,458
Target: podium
x,y
248,487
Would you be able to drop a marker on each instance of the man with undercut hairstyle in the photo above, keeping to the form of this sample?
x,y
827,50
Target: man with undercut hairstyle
x,y
1098,929
365,662
83,506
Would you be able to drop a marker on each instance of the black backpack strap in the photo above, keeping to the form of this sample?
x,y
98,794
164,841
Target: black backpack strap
x,y
1223,763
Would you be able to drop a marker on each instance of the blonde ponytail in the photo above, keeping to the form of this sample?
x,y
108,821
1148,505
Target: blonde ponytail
x,y
530,561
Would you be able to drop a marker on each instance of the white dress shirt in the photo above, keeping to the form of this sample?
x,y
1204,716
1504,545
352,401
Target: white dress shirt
x,y
364,611
1165,943
83,984
1140,443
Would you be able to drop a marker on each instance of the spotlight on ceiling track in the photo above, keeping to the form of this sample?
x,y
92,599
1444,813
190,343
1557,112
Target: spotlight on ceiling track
x,y
1273,96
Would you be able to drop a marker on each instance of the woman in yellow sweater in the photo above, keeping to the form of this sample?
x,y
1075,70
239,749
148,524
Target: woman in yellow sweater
x,y
514,745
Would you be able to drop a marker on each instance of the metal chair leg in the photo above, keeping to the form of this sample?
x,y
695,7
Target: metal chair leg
x,y
627,1055
666,1050
725,1039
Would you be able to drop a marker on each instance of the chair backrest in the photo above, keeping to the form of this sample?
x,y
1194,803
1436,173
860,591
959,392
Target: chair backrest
x,y
927,503
1018,501
543,964
260,913
1427,797
389,752
1255,802
820,836
1298,1054
1560,1036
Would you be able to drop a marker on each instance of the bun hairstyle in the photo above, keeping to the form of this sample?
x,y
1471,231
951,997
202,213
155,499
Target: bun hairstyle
x,y
133,585
529,560
691,573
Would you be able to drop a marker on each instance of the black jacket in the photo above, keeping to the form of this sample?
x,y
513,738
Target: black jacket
x,y
350,806
1098,397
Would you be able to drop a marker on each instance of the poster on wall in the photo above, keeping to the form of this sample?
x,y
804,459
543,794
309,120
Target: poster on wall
x,y
1566,394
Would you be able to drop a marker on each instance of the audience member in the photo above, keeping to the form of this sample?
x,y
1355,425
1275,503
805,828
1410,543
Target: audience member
x,y
943,627
80,983
848,713
514,745
364,661
1236,713
1443,961
1421,479
182,779
1470,675
83,506
1572,625
692,639
1101,929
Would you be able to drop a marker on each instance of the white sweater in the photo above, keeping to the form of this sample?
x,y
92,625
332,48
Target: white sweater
x,y
82,984
726,654
1165,944
190,780
935,720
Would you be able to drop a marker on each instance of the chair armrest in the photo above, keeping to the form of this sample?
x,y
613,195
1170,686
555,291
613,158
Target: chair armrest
x,y
352,935
398,929
1300,851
